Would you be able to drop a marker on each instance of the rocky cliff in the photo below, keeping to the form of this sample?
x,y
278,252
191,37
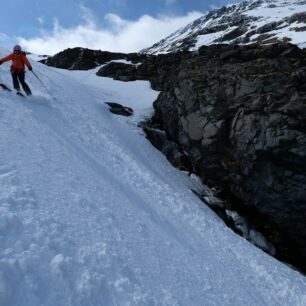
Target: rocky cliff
x,y
239,114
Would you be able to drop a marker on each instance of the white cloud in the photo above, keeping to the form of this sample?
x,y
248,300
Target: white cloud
x,y
120,35
88,16
115,23
40,20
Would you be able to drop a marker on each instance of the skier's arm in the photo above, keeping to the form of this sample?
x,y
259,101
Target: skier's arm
x,y
6,59
27,63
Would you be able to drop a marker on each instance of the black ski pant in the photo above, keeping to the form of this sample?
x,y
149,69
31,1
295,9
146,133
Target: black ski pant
x,y
19,77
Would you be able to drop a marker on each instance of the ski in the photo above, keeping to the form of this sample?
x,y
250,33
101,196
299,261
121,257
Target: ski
x,y
4,87
20,94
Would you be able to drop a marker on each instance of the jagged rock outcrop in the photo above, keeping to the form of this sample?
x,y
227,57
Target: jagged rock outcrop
x,y
85,59
157,69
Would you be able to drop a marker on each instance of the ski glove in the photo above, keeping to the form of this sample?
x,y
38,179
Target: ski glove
x,y
1,62
31,69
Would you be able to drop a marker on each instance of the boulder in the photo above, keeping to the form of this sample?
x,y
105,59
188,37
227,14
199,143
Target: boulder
x,y
119,109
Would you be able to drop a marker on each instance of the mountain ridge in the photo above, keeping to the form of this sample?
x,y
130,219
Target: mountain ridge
x,y
256,21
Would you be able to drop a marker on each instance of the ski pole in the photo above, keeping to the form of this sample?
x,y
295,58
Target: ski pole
x,y
45,87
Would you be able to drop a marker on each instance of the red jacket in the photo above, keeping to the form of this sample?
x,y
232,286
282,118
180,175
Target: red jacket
x,y
19,60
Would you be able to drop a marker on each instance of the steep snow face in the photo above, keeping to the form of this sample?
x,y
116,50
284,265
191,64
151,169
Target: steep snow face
x,y
262,21
92,214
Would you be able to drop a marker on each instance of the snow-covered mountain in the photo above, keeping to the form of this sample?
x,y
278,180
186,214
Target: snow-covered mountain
x,y
255,21
91,214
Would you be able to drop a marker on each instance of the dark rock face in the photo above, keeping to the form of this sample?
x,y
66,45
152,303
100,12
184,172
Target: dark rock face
x,y
119,71
157,69
171,149
85,59
241,116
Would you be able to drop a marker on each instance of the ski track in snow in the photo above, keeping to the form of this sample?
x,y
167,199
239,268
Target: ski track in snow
x,y
92,214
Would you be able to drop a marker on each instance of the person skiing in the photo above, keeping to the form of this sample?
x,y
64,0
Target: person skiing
x,y
19,60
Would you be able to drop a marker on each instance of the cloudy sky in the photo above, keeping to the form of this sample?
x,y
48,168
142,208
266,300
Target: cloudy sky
x,y
49,26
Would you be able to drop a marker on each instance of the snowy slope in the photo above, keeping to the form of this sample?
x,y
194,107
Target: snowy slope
x,y
92,214
254,21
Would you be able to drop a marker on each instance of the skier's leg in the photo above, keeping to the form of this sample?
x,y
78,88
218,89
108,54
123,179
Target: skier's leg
x,y
15,80
25,86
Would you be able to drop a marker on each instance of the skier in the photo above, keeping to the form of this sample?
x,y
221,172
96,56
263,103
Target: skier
x,y
19,59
